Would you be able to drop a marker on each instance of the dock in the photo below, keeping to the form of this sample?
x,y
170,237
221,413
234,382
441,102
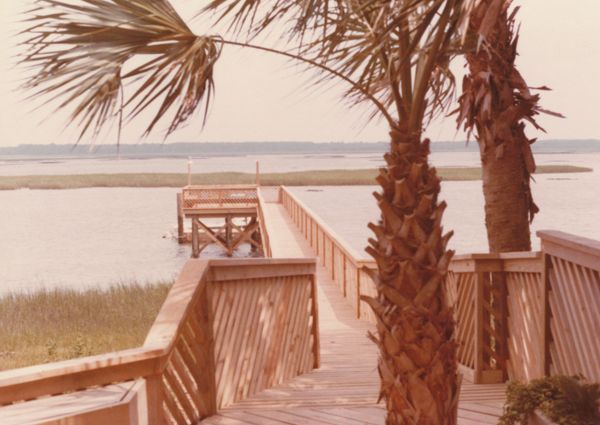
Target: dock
x,y
283,339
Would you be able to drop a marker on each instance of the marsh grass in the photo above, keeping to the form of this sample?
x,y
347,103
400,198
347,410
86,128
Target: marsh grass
x,y
60,324
297,178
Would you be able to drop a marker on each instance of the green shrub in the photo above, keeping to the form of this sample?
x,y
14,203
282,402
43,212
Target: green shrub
x,y
565,400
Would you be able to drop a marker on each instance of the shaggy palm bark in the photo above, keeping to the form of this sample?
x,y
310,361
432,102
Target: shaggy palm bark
x,y
417,364
496,102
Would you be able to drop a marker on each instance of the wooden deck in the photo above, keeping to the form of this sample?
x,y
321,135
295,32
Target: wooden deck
x,y
344,389
237,341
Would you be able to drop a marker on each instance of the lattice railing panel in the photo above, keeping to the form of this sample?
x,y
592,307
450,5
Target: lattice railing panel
x,y
575,319
525,325
263,332
460,293
207,197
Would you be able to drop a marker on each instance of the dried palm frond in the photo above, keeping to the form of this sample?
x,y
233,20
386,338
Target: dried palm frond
x,y
390,49
81,49
496,103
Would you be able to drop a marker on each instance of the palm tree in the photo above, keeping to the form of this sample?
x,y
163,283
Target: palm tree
x,y
393,54
497,103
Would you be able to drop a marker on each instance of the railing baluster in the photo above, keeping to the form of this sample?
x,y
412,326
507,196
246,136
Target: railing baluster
x,y
478,295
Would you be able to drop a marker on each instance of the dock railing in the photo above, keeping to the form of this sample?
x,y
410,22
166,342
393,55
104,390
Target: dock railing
x,y
496,320
264,233
215,196
348,268
228,329
571,309
519,315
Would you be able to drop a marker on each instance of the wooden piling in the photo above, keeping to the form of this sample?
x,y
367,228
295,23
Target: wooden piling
x,y
195,238
180,220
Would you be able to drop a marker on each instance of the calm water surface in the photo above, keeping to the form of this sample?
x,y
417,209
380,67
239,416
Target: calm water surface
x,y
89,237
245,164
568,202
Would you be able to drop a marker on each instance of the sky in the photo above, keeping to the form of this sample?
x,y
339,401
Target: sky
x,y
260,97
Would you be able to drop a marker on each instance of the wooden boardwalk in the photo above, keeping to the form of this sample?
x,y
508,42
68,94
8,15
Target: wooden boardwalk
x,y
344,389
235,341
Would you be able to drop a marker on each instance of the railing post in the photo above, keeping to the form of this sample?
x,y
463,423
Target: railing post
x,y
195,238
478,295
547,313
500,311
154,400
344,274
180,220
304,223
205,316
358,292
315,324
325,237
332,260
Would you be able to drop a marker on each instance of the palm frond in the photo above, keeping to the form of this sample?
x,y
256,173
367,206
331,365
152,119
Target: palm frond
x,y
81,50
388,48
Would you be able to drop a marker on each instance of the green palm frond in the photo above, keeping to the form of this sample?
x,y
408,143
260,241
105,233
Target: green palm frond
x,y
82,49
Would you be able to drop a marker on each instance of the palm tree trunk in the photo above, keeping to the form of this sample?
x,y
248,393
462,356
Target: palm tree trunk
x,y
417,361
507,198
497,102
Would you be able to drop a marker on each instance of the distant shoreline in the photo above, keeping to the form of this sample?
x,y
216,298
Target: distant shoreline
x,y
361,177
215,149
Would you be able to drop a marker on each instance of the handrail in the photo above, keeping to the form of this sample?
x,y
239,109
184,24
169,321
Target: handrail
x,y
183,327
70,375
221,186
346,266
177,306
496,262
580,250
217,196
266,240
343,245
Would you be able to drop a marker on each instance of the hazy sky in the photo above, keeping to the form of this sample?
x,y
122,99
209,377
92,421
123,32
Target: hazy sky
x,y
261,97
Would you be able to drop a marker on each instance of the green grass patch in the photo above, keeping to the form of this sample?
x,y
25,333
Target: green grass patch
x,y
296,178
60,324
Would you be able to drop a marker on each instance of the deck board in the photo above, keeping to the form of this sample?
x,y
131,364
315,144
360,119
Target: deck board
x,y
53,410
344,389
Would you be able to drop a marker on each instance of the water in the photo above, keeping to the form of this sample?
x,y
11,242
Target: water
x,y
568,202
244,164
88,237
101,236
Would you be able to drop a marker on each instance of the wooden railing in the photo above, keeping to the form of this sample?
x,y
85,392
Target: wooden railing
x,y
347,267
519,315
530,314
571,309
228,329
264,233
523,276
491,295
204,197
